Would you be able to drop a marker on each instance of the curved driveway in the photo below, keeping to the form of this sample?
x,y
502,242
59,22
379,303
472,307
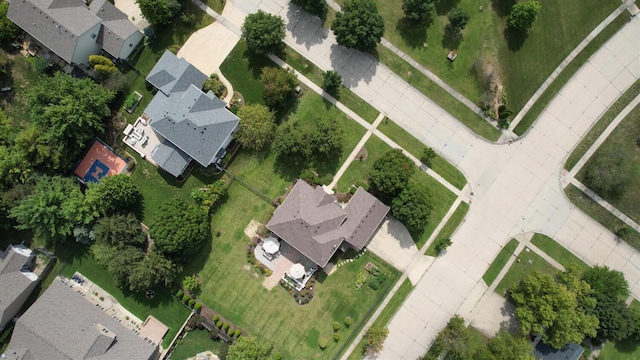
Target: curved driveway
x,y
517,188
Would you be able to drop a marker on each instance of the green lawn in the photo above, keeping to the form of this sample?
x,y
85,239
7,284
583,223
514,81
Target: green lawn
x,y
386,314
434,92
163,306
561,26
604,121
195,342
273,315
601,215
568,72
499,262
270,177
527,262
358,172
415,147
557,251
243,69
216,5
346,96
624,138
450,227
20,76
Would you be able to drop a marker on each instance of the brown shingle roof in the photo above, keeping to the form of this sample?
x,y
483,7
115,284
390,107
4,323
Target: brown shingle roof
x,y
313,222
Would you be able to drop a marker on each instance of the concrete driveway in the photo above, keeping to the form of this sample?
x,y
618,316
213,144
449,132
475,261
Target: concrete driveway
x,y
393,244
132,10
207,48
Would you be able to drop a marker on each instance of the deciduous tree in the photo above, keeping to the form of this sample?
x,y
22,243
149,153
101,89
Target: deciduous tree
x,y
606,281
506,346
117,193
560,308
309,145
119,230
418,10
153,269
179,229
616,321
359,25
8,30
279,87
159,12
263,32
257,126
391,174
374,339
413,206
524,15
458,19
249,348
214,85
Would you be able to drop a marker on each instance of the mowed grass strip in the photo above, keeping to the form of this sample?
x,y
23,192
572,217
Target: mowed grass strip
x,y
596,130
415,147
575,64
623,139
450,227
527,262
163,306
315,74
197,341
557,251
439,96
601,215
499,262
385,315
358,172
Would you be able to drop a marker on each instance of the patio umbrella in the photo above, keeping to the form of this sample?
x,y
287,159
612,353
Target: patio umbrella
x,y
271,245
297,271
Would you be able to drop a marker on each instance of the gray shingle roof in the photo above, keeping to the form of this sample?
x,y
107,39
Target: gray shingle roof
x,y
170,158
116,26
194,122
313,222
13,280
57,24
61,324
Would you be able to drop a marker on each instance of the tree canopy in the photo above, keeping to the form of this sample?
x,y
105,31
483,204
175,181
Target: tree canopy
x,y
249,348
606,281
66,114
159,12
279,87
359,25
454,339
391,174
505,346
214,85
418,10
413,206
331,82
560,308
616,320
115,193
179,229
458,19
54,209
257,126
315,7
8,30
119,230
309,145
263,32
524,15
374,339
208,196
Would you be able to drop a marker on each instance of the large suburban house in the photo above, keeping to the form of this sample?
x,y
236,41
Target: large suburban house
x,y
316,225
190,124
17,280
62,324
74,30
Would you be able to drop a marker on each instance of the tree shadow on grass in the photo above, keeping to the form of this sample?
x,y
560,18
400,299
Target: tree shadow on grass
x,y
452,38
626,346
502,7
414,33
443,7
515,38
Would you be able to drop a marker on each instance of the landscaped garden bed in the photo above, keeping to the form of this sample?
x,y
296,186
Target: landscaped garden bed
x,y
132,101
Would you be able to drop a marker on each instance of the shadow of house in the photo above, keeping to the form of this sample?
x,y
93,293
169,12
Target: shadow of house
x,y
190,124
74,30
316,225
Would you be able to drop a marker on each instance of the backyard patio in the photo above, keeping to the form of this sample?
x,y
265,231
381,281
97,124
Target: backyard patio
x,y
286,263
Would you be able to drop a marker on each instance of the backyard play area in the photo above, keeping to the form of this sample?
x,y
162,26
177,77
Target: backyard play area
x,y
100,161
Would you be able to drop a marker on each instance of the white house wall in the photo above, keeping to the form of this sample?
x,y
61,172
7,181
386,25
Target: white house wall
x,y
86,46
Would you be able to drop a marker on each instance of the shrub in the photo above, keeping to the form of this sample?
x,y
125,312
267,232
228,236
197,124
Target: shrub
x,y
174,49
101,298
225,326
216,318
237,333
377,281
230,331
179,294
185,298
191,302
336,337
323,342
198,306
347,321
214,85
331,82
219,324
427,155
441,245
131,100
336,326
